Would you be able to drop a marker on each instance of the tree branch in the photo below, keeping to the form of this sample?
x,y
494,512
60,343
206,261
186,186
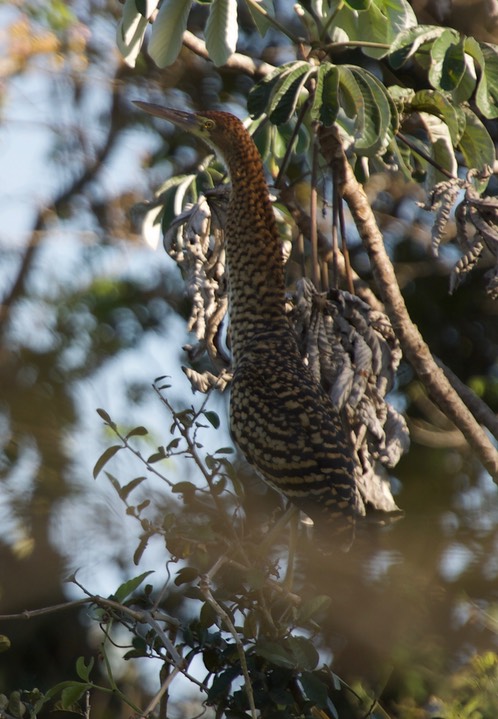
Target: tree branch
x,y
237,61
412,342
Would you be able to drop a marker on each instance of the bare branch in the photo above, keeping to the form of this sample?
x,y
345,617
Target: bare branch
x,y
237,61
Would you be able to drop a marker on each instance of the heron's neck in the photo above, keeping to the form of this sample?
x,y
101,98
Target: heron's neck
x,y
254,252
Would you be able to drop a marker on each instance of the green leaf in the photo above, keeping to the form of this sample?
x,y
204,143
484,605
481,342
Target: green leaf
x,y
185,575
137,432
439,147
486,56
476,145
260,94
103,414
128,587
167,31
212,418
157,456
274,653
83,670
379,109
104,458
435,103
131,32
358,4
261,20
207,616
5,643
407,43
186,488
128,488
225,450
287,91
172,197
221,30
351,97
73,693
447,61
305,654
142,546
383,23
325,101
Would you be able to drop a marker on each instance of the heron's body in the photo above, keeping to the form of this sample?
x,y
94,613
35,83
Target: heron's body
x,y
282,420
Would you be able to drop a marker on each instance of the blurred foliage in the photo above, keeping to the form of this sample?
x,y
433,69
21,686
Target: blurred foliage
x,y
404,626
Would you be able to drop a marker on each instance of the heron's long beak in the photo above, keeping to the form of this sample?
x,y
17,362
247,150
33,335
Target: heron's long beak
x,y
186,120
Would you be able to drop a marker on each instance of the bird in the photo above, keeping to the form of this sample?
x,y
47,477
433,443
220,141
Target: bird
x,y
281,419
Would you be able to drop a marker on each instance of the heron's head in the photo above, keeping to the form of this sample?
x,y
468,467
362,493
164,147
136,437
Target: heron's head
x,y
218,129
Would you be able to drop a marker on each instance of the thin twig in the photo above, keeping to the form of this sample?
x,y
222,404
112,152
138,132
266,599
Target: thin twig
x,y
204,586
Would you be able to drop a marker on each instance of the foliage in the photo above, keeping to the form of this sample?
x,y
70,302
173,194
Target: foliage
x,y
253,620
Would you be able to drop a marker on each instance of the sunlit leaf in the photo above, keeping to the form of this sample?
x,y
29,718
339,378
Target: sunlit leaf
x,y
358,4
167,31
439,147
130,32
476,145
486,57
383,22
260,19
406,44
436,103
447,61
221,30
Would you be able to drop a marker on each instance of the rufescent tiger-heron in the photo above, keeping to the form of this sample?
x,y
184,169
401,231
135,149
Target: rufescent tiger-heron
x,y
281,419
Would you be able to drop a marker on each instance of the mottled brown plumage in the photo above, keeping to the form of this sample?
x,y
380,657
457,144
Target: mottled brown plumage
x,y
283,422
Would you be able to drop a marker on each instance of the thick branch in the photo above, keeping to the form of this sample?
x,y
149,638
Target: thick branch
x,y
237,61
412,343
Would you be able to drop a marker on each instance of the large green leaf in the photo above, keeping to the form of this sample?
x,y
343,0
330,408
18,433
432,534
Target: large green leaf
x,y
222,30
379,109
262,20
130,33
476,145
167,31
436,103
325,101
486,57
407,43
259,97
383,22
447,61
287,91
439,147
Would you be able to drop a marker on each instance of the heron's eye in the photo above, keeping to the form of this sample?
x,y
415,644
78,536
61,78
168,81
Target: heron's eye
x,y
208,124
